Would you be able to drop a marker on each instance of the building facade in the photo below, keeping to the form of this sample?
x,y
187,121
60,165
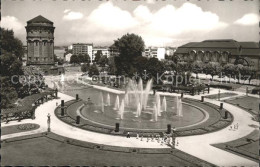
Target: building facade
x,y
221,51
154,52
40,45
104,50
40,41
82,48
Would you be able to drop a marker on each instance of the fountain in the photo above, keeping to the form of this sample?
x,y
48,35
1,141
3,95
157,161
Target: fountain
x,y
116,103
108,100
158,104
140,95
138,111
126,99
136,105
179,107
155,112
102,102
122,109
164,104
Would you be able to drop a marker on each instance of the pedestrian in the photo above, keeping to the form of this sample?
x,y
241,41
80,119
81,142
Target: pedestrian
x,y
56,103
137,136
161,142
165,138
128,135
49,122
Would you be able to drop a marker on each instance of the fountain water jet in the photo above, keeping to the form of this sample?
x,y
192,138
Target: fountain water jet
x,y
116,103
164,104
135,90
155,112
138,111
158,104
108,100
122,109
102,102
126,99
179,107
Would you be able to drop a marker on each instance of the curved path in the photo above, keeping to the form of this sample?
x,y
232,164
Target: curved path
x,y
63,129
199,146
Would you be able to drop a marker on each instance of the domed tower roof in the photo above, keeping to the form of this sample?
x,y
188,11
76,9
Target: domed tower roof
x,y
39,20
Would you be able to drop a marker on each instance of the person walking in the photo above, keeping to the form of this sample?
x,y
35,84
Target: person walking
x,y
128,135
49,122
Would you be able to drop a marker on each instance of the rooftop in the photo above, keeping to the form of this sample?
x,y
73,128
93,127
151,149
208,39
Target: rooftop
x,y
39,19
230,45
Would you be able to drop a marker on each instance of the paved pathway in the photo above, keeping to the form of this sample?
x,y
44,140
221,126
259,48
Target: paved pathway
x,y
198,146
66,130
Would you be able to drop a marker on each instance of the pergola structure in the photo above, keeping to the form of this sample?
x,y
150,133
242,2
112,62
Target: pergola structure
x,y
29,104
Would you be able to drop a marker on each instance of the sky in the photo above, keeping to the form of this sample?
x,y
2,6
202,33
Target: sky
x,y
159,23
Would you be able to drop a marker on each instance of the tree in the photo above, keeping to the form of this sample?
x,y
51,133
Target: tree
x,y
98,55
155,68
140,64
93,70
103,61
229,70
85,67
11,44
59,60
74,59
130,46
169,65
181,67
11,65
197,67
83,58
111,66
213,68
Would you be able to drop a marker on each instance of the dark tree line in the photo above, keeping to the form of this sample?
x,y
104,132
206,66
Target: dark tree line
x,y
11,65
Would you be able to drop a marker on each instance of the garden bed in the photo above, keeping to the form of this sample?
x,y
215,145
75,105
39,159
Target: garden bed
x,y
18,128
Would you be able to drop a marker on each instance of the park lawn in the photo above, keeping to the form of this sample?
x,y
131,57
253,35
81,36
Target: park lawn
x,y
247,102
45,151
222,95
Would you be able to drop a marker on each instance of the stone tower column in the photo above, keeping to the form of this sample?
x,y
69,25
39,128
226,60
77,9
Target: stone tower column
x,y
40,41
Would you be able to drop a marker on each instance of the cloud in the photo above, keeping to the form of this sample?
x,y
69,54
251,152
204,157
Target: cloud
x,y
151,1
248,19
143,14
70,15
164,26
111,17
66,10
11,22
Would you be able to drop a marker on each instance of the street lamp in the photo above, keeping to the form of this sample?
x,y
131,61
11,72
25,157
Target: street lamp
x,y
218,94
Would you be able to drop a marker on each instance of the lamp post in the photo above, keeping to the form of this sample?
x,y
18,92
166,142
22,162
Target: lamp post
x,y
218,94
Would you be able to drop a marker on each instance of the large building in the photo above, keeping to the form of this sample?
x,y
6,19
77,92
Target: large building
x,y
222,51
82,48
40,41
40,45
104,51
155,52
